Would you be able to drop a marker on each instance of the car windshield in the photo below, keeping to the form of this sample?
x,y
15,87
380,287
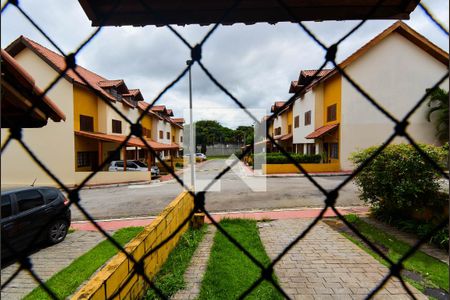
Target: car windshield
x,y
140,164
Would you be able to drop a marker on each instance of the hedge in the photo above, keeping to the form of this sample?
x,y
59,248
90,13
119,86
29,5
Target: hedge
x,y
279,158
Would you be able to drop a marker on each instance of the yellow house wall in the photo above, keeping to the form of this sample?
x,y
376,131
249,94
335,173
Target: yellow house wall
x,y
289,119
84,103
332,94
81,145
291,168
147,123
53,144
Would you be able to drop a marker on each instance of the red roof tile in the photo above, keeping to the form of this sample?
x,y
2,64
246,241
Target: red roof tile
x,y
13,73
57,62
178,120
321,131
133,141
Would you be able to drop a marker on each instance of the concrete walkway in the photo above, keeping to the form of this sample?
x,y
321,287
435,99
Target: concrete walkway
x,y
410,239
115,224
48,262
325,265
194,274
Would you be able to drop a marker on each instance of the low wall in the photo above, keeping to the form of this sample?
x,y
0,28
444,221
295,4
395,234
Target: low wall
x,y
113,177
291,168
114,274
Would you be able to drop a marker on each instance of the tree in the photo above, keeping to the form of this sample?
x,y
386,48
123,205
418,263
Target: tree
x,y
438,103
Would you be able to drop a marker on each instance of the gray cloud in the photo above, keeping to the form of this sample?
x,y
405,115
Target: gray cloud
x,y
256,63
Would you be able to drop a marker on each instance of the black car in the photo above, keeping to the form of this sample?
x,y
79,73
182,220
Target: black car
x,y
32,215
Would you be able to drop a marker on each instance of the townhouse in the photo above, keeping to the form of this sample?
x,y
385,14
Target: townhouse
x,y
332,118
96,110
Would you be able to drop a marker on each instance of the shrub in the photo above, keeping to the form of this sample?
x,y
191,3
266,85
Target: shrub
x,y
280,158
399,181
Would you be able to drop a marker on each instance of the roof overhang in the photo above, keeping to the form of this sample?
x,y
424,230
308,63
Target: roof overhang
x,y
133,141
205,12
21,102
321,131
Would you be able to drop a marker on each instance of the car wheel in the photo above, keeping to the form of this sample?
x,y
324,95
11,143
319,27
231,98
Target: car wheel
x,y
57,231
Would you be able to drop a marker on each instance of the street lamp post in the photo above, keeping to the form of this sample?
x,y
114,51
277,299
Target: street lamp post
x,y
191,129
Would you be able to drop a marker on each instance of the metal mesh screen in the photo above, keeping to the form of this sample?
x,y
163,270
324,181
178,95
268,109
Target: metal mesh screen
x,y
399,127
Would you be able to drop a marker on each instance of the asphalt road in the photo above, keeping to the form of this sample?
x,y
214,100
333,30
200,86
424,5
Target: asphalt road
x,y
231,194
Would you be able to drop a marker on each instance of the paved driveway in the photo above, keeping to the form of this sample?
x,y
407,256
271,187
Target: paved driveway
x,y
47,262
325,265
234,194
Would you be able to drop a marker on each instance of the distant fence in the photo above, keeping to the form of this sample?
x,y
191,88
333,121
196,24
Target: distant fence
x,y
114,278
222,149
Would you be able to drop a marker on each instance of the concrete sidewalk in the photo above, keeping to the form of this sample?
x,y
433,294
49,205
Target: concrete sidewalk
x,y
48,262
115,224
325,265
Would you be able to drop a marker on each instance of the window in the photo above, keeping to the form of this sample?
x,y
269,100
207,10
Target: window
x,y
119,164
49,194
87,159
146,132
116,126
168,135
28,200
334,150
278,131
86,123
310,149
331,113
181,139
131,165
6,206
297,121
308,118
161,134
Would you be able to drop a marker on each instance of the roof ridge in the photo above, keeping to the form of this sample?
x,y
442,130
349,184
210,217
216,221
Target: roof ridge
x,y
34,43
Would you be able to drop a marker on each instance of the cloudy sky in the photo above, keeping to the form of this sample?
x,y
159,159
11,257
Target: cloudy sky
x,y
256,63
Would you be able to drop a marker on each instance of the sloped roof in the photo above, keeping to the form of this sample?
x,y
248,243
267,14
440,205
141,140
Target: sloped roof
x,y
133,141
19,93
408,33
321,131
57,62
400,28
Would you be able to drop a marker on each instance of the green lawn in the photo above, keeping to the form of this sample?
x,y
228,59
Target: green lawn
x,y
435,272
65,282
230,272
170,278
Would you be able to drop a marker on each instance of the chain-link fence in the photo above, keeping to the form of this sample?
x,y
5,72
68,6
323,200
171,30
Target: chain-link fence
x,y
330,197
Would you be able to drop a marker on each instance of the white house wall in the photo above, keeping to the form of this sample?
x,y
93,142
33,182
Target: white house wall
x,y
18,169
395,73
302,105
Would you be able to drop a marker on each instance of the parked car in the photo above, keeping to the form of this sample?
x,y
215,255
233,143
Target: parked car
x,y
201,156
133,165
32,215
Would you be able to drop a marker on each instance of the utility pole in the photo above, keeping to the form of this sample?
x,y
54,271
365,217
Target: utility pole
x,y
191,129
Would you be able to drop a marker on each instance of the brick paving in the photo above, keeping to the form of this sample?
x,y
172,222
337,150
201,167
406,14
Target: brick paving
x,y
325,265
194,274
47,262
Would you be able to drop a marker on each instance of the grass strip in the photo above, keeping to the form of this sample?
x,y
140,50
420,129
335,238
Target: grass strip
x,y
230,272
65,282
435,272
170,278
